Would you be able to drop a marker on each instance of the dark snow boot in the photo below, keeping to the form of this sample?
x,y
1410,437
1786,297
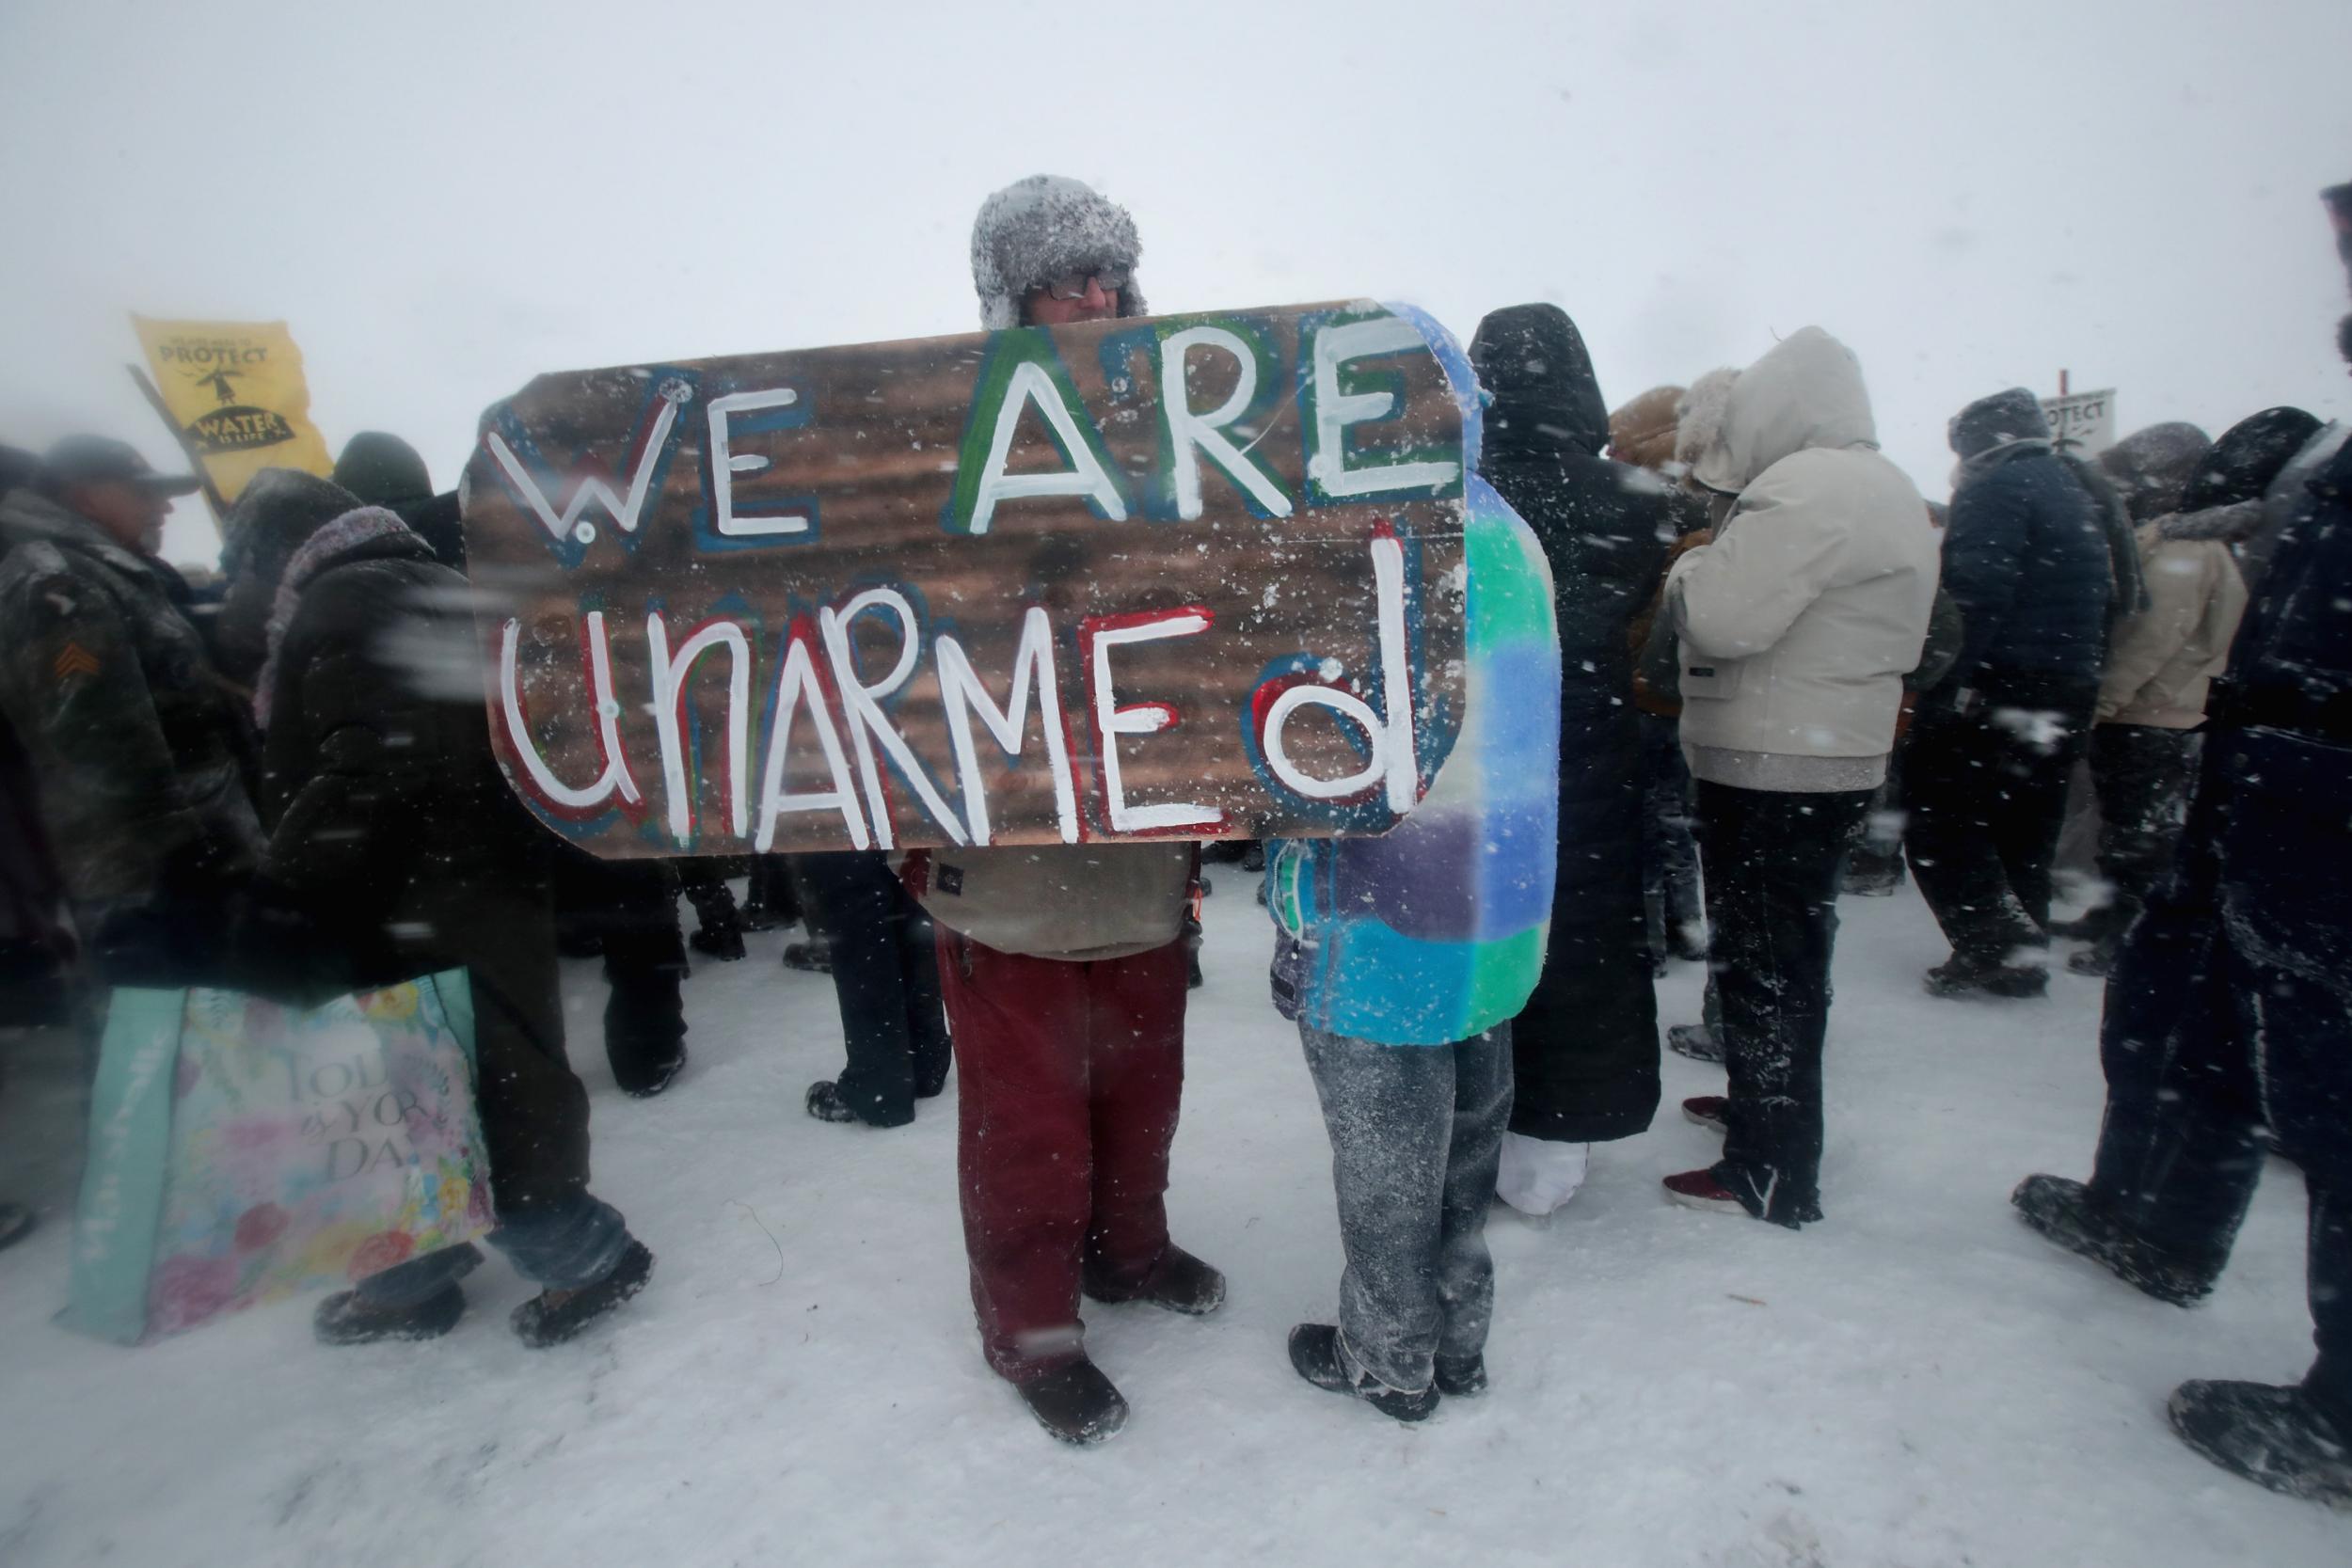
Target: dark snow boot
x,y
825,1103
16,1223
552,1317
345,1318
810,958
2098,959
2108,920
929,1082
1315,1357
1076,1404
643,1079
2273,1436
771,901
718,924
722,942
1179,1282
1253,856
1694,1040
2079,1220
1878,880
1462,1379
1975,977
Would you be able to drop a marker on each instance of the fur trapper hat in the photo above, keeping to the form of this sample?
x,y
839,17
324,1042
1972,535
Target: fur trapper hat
x,y
1043,228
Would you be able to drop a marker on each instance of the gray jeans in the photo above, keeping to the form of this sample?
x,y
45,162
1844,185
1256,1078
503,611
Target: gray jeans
x,y
1416,1135
556,1246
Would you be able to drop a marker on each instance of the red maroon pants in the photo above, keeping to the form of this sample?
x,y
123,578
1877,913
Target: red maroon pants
x,y
1070,1075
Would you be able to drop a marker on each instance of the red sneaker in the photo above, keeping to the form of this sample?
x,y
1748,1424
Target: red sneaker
x,y
1708,1111
1698,1189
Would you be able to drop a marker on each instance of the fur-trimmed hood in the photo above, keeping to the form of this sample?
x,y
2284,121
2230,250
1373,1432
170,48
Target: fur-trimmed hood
x,y
1806,391
2229,524
1699,414
1641,432
1042,228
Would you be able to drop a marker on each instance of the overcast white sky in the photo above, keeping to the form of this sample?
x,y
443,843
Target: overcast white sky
x,y
446,200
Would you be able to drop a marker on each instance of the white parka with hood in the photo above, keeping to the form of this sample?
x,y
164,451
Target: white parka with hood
x,y
1800,620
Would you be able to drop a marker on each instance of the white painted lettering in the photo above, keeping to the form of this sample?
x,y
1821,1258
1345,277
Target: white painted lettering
x,y
1335,411
1188,430
861,706
1112,721
614,780
1030,384
726,464
669,716
963,695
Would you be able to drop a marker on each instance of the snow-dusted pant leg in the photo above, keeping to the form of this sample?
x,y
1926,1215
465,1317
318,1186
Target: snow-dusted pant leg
x,y
2295,1015
1987,801
1670,855
564,1247
1482,1114
1876,860
1773,861
2142,775
1071,1076
404,1285
2176,1161
2243,1032
2329,1285
1415,1137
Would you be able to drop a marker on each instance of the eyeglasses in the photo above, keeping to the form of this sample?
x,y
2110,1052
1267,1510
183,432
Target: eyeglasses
x,y
1074,285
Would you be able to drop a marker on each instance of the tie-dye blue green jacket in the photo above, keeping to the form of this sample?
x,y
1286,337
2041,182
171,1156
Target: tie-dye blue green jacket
x,y
1435,932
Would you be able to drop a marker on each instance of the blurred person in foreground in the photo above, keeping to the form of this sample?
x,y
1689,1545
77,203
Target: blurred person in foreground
x,y
1063,968
2152,694
139,748
37,945
2228,1030
397,850
624,912
1796,626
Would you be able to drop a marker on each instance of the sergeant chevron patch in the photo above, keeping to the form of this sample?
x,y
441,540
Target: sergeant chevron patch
x,y
73,660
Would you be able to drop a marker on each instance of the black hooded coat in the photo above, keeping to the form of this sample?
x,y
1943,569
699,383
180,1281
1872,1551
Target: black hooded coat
x,y
1586,1043
398,850
384,470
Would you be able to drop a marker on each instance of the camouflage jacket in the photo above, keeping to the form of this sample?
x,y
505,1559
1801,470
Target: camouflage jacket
x,y
141,749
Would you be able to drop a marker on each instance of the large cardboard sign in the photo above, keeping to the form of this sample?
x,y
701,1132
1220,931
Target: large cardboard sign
x,y
1193,577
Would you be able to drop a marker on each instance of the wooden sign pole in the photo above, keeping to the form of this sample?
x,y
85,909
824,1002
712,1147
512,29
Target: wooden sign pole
x,y
163,412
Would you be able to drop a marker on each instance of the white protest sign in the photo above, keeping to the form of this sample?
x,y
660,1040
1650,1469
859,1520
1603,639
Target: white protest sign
x,y
2083,422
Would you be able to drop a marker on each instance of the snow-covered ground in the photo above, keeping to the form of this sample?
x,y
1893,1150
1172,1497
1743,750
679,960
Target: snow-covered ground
x,y
1918,1380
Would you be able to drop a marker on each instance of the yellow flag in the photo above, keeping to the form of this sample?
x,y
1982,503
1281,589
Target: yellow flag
x,y
236,391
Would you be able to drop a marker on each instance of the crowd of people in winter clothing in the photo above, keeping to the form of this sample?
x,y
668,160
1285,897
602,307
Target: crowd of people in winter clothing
x,y
1724,662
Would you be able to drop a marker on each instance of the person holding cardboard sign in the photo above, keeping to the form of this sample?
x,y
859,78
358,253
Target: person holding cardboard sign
x,y
1063,969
